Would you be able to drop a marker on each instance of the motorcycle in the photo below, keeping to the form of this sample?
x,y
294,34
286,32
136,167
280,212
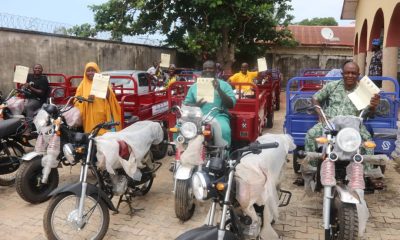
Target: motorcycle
x,y
194,144
82,208
38,174
11,141
340,171
221,188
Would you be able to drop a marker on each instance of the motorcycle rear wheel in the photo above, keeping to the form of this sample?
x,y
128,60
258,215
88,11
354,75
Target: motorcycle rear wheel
x,y
13,149
28,181
184,200
58,219
345,218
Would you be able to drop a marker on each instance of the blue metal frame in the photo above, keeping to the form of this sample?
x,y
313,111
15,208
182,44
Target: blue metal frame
x,y
297,124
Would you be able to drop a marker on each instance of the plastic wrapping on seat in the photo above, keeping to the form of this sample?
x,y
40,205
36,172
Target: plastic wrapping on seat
x,y
383,109
257,178
16,105
139,137
301,103
73,117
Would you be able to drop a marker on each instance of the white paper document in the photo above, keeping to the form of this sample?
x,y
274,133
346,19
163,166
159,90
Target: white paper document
x,y
165,59
205,89
365,90
262,64
21,74
100,85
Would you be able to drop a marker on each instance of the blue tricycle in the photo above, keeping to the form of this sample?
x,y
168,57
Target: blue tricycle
x,y
382,127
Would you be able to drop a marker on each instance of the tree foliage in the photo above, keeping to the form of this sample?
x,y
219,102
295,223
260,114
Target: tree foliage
x,y
327,21
84,30
216,28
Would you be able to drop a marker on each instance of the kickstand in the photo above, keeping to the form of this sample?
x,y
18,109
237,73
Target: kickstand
x,y
128,200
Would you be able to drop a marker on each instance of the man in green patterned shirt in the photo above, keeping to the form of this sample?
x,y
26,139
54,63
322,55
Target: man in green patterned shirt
x,y
336,95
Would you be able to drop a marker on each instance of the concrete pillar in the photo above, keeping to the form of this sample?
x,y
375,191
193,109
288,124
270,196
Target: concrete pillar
x,y
355,59
361,63
389,66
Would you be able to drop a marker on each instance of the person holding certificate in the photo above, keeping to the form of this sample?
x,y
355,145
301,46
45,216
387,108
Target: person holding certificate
x,y
37,85
100,110
222,97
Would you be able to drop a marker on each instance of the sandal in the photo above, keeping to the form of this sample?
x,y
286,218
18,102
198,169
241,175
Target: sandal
x,y
299,182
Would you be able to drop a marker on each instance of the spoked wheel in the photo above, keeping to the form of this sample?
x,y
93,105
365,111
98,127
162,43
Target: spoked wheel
x,y
344,219
184,200
28,181
60,221
11,150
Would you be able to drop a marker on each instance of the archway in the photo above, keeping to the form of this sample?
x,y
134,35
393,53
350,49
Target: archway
x,y
377,30
355,49
362,49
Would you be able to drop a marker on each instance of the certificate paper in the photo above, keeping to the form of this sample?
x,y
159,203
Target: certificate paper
x,y
100,85
262,64
21,74
205,89
165,58
365,90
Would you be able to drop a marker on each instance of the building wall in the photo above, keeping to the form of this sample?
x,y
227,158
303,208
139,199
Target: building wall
x,y
291,60
68,55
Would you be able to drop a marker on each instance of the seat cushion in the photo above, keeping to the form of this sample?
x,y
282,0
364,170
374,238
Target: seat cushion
x,y
9,127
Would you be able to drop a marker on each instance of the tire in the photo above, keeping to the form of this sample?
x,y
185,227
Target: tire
x,y
28,182
277,101
296,165
13,149
51,225
346,218
270,119
159,151
184,200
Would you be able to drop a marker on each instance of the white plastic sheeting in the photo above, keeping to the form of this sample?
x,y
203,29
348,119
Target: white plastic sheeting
x,y
192,154
73,117
257,178
16,105
139,137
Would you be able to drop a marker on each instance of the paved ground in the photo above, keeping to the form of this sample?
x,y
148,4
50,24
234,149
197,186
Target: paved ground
x,y
300,220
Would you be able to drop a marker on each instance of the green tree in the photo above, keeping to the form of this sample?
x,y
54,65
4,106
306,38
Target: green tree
x,y
84,30
327,21
217,28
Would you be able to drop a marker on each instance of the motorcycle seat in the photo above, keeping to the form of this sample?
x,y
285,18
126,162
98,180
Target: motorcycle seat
x,y
9,127
384,133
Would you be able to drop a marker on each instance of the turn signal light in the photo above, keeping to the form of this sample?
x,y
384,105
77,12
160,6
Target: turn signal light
x,y
369,144
58,133
220,186
321,140
206,132
173,130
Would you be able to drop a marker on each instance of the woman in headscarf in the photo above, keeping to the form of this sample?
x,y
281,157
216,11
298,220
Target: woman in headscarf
x,y
100,110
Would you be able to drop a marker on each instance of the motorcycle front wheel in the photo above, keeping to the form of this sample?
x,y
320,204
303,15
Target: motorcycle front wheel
x,y
60,218
345,218
184,200
28,181
10,149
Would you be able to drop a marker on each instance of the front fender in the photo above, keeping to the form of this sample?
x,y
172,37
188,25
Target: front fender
x,y
347,196
184,172
76,189
30,156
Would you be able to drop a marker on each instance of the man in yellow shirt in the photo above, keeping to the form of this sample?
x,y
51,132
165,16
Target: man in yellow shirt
x,y
244,76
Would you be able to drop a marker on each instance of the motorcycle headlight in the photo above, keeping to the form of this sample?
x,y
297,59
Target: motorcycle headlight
x,y
200,183
188,130
69,153
348,139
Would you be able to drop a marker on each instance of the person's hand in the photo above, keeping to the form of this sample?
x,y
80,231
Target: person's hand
x,y
216,85
91,97
200,103
27,86
374,102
